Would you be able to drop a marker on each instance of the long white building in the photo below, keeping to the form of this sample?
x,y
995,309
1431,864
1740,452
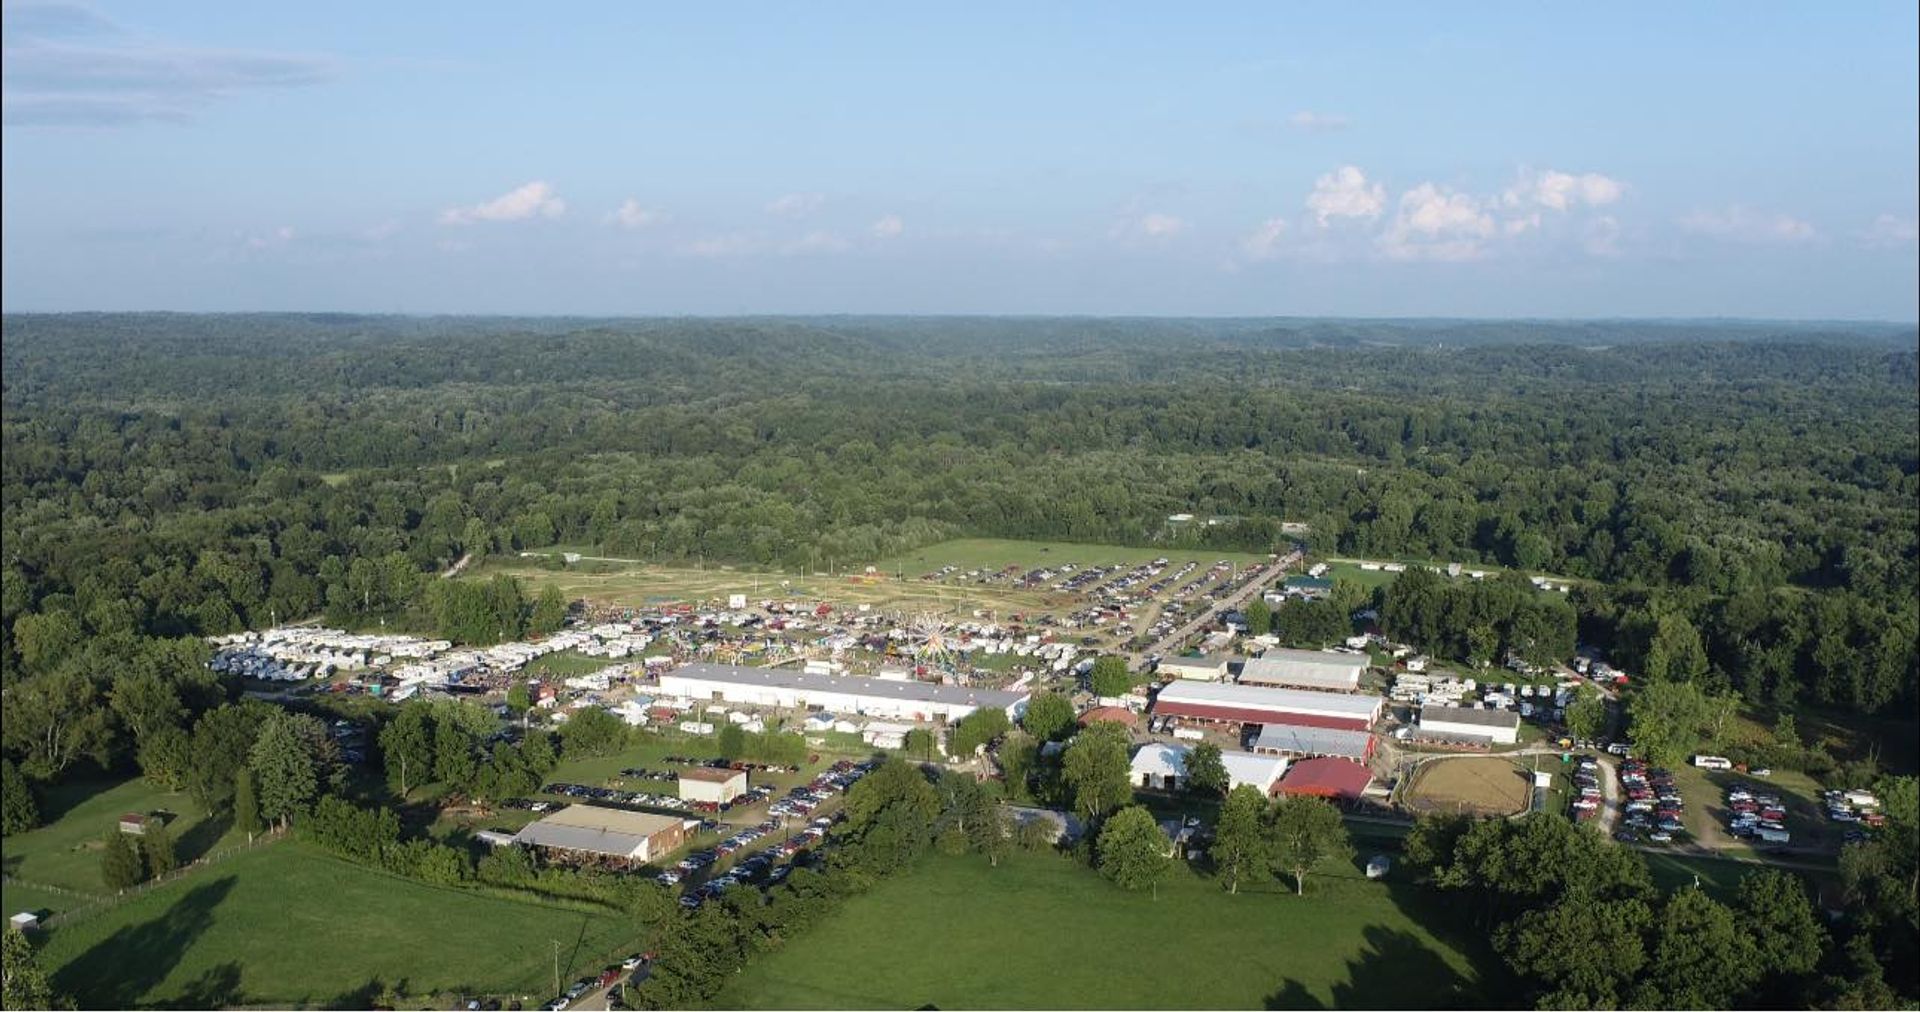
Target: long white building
x,y
798,690
1251,704
1305,669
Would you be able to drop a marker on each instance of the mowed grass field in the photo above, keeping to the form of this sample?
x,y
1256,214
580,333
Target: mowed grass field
x,y
286,925
1041,931
1483,784
66,852
998,553
637,584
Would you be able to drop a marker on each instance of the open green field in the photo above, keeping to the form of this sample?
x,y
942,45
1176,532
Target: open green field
x,y
566,664
636,584
998,553
1042,931
286,925
66,852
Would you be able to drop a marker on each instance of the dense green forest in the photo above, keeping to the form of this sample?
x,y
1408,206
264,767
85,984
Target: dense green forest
x,y
1751,486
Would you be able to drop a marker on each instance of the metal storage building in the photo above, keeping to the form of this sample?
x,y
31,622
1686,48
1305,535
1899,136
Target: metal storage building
x,y
795,690
607,832
1498,726
1252,704
1304,741
1305,669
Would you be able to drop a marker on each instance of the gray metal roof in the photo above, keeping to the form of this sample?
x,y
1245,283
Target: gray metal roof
x,y
595,830
1313,740
853,685
1463,715
1309,668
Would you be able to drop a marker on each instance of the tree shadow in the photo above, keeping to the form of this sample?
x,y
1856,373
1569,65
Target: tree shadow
x,y
74,790
367,995
195,843
1293,995
1381,975
119,971
219,987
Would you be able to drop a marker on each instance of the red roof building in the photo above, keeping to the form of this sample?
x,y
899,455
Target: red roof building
x,y
1118,714
1337,779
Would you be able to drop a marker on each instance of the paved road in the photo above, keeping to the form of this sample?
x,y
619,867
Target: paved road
x,y
1168,643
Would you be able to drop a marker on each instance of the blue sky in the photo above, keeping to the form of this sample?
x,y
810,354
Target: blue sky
x,y
1462,160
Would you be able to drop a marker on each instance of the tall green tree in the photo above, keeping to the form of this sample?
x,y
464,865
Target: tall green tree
x,y
1305,833
1773,907
1133,853
157,849
1049,717
1259,617
23,985
1110,676
1239,848
18,810
731,741
1699,957
407,747
120,864
246,804
283,769
1579,955
549,611
1096,770
1206,772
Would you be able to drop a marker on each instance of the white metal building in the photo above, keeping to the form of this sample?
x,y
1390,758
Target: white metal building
x,y
1253,704
1501,727
1165,766
796,690
1305,669
1205,669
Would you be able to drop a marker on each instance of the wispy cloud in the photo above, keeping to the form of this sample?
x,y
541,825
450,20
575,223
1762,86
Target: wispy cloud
x,y
66,65
1890,231
1743,224
1151,225
795,205
1264,243
1316,122
887,227
535,199
635,215
817,241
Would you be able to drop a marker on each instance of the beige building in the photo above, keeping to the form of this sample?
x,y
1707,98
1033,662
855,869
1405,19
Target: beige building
x,y
703,783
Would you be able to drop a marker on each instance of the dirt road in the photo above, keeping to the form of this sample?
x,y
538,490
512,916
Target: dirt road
x,y
1258,583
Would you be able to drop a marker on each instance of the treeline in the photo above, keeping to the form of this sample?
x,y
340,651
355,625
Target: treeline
x,y
165,477
1583,925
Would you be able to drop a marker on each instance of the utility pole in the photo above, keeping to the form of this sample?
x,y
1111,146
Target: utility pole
x,y
556,966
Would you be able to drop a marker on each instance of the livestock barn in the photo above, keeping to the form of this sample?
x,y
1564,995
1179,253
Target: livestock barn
x,y
799,690
587,831
1249,704
1305,669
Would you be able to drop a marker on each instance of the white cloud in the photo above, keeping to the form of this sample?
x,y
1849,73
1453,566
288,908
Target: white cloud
x,y
1561,191
1436,224
278,237
795,205
1264,243
1153,225
381,232
888,227
1316,121
535,199
1345,193
1741,224
1890,230
633,214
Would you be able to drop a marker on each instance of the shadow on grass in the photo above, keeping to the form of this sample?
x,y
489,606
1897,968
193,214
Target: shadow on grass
x,y
119,971
1395,970
56,800
196,842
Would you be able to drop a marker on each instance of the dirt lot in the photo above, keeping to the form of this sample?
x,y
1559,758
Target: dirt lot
x,y
1483,785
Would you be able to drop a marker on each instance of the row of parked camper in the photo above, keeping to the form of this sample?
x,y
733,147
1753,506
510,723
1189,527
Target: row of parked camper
x,y
1854,806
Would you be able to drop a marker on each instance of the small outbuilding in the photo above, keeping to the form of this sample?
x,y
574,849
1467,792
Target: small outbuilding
x,y
1499,727
24,921
715,786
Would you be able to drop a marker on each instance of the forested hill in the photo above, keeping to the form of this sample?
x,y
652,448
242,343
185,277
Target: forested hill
x,y
1746,489
117,356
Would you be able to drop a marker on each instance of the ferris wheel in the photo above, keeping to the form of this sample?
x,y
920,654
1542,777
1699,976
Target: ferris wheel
x,y
928,641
